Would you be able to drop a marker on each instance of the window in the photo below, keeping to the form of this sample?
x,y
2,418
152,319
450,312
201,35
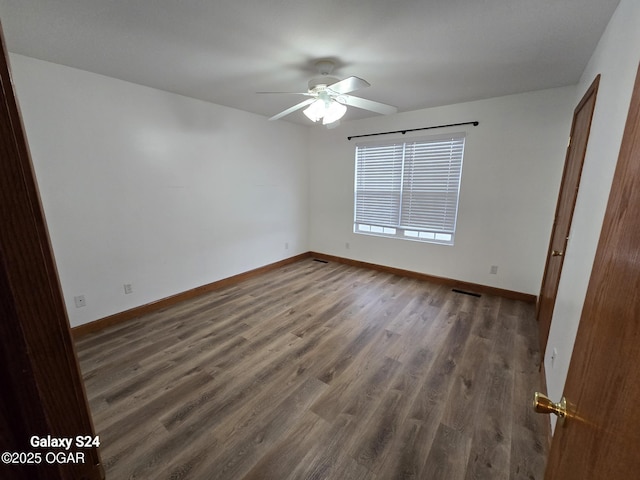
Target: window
x,y
409,189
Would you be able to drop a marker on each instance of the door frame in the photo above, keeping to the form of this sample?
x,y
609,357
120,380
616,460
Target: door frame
x,y
544,324
42,388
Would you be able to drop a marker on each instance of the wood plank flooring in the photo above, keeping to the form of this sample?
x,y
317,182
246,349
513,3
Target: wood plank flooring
x,y
320,371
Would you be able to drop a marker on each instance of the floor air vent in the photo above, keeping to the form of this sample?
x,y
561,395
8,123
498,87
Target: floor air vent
x,y
321,261
466,293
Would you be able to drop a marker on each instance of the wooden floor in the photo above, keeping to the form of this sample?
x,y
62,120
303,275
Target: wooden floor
x,y
320,371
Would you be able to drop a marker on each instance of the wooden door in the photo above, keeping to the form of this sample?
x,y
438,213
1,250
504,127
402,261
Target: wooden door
x,y
574,160
41,390
602,441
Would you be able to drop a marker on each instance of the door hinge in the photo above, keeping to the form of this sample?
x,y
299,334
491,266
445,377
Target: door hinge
x,y
569,144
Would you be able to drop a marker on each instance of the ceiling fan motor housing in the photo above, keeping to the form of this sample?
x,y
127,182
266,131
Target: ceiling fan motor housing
x,y
317,84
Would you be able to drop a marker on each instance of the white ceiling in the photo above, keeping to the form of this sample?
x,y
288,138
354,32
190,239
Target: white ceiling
x,y
414,53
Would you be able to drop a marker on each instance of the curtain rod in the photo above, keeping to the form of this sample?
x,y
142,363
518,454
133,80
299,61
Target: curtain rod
x,y
475,124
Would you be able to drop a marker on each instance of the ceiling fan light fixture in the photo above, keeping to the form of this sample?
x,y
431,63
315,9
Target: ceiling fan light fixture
x,y
327,110
315,111
334,112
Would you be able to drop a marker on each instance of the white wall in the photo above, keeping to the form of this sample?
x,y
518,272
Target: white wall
x,y
616,58
150,188
511,176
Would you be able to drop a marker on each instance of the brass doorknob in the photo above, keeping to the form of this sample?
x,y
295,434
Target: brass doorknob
x,y
557,253
542,404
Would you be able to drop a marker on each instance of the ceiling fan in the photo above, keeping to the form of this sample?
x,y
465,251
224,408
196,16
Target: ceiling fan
x,y
329,97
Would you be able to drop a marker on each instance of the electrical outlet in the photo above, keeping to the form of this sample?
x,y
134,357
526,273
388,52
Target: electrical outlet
x,y
286,245
80,301
494,270
347,246
128,288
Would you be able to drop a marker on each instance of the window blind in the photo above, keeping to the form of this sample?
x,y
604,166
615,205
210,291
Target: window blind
x,y
379,184
411,188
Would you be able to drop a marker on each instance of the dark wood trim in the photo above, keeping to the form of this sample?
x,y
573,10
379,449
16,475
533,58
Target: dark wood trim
x,y
563,217
592,91
601,386
468,286
120,317
42,390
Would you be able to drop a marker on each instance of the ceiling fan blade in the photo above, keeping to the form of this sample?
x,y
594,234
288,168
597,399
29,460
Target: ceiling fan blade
x,y
370,105
300,105
288,93
350,84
